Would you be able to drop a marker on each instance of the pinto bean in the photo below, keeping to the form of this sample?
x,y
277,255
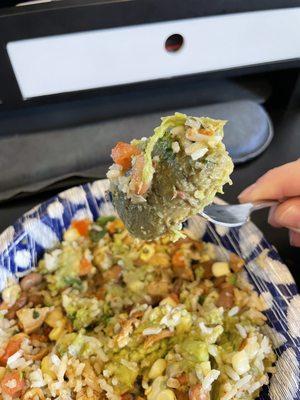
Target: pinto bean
x,y
226,297
236,262
219,281
36,299
30,280
207,265
180,395
21,301
38,356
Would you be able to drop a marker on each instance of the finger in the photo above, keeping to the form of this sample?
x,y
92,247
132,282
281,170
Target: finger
x,y
286,214
294,238
278,183
271,218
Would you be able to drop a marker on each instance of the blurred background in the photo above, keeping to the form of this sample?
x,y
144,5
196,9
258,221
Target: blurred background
x,y
78,75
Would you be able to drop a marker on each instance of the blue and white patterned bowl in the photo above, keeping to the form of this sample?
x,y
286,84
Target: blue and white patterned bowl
x,y
22,245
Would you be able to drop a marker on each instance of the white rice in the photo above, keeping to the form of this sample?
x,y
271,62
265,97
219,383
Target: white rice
x,y
152,331
242,382
233,311
205,329
36,379
242,331
209,379
108,389
11,384
12,360
231,373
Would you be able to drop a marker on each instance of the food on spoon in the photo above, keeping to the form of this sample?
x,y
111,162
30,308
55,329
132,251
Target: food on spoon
x,y
157,183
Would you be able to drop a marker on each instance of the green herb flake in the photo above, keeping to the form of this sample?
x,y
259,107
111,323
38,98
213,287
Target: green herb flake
x,y
95,235
35,314
102,221
76,283
233,279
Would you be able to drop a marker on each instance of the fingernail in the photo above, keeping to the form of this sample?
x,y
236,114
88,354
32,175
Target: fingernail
x,y
291,239
245,193
297,230
271,219
290,218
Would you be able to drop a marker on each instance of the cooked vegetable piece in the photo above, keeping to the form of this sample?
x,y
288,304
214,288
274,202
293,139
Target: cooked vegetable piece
x,y
12,384
122,154
82,226
32,318
12,347
176,173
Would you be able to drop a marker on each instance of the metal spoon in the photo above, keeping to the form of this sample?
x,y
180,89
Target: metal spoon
x,y
233,215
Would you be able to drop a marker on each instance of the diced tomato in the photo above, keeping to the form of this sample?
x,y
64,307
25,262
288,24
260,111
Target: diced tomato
x,y
85,267
113,274
115,226
12,384
122,153
127,396
12,347
206,132
136,184
178,259
82,226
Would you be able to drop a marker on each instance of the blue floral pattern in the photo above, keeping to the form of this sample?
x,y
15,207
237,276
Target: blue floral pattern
x,y
23,244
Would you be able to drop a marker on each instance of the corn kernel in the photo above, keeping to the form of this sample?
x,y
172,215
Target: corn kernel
x,y
166,394
2,372
55,318
136,286
170,301
206,367
11,294
56,333
160,260
71,234
158,368
220,269
147,252
240,362
46,367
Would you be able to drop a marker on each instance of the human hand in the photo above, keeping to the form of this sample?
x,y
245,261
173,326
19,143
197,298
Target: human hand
x,y
282,184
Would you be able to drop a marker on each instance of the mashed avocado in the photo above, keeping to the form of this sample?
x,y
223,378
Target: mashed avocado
x,y
178,172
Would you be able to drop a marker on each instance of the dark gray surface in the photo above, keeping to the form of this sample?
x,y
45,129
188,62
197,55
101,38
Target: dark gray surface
x,y
84,151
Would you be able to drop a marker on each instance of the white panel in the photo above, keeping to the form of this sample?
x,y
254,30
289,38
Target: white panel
x,y
101,58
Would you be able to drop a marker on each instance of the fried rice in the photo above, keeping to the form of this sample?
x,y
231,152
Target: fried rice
x,y
107,316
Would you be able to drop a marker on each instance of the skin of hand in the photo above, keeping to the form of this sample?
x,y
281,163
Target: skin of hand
x,y
282,184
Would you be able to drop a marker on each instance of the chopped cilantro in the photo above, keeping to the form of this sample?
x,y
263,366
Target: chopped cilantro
x,y
76,283
105,319
102,221
233,279
201,299
164,148
95,236
35,314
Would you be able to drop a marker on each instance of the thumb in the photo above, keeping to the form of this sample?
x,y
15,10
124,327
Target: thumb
x,y
276,184
286,214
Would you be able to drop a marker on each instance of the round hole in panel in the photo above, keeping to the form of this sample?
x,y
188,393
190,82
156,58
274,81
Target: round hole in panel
x,y
174,43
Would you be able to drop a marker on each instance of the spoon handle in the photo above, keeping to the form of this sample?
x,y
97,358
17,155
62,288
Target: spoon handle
x,y
258,205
